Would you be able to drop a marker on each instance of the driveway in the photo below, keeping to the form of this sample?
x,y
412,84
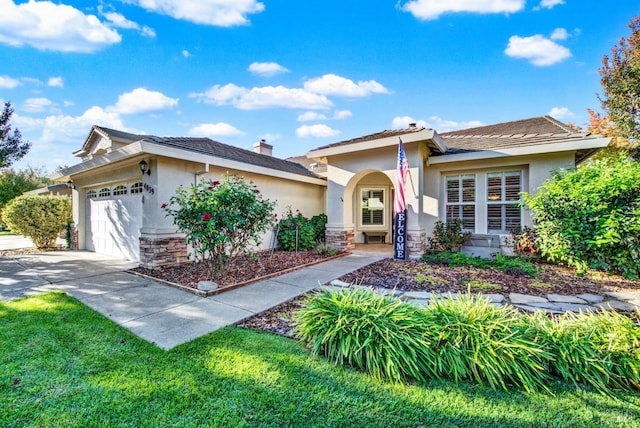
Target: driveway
x,y
155,312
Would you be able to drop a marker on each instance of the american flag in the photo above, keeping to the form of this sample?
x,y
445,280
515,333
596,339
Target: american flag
x,y
403,168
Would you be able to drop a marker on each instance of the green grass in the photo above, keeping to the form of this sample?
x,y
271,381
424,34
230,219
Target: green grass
x,y
6,233
73,367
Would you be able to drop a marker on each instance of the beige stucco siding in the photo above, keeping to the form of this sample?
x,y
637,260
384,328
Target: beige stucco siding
x,y
535,170
171,173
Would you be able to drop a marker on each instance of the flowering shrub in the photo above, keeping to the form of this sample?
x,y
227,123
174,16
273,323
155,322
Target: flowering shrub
x,y
447,236
40,217
319,223
524,242
220,219
296,232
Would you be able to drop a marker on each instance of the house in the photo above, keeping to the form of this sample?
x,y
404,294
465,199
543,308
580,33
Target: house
x,y
123,180
476,175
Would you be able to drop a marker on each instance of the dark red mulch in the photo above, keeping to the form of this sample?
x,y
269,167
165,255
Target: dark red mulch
x,y
239,269
277,320
414,276
417,276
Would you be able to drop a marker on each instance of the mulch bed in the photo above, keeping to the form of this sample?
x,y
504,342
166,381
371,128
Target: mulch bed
x,y
238,270
417,276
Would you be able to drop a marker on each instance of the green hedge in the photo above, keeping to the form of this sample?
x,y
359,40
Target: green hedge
x,y
40,217
468,338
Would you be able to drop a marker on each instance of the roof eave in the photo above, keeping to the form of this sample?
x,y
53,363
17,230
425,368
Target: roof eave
x,y
596,142
428,135
146,147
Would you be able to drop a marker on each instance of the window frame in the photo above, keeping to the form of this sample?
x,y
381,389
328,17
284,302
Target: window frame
x,y
385,209
461,203
504,201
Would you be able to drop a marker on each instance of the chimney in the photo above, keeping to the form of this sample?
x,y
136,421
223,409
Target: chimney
x,y
412,125
263,148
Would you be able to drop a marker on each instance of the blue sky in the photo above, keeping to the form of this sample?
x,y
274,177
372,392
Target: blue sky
x,y
300,74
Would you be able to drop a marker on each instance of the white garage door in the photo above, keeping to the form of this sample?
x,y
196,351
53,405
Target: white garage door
x,y
114,219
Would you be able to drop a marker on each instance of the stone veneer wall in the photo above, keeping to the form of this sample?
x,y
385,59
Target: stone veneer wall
x,y
344,240
160,252
416,244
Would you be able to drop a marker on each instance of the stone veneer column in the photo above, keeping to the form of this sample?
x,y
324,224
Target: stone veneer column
x,y
416,244
160,252
344,240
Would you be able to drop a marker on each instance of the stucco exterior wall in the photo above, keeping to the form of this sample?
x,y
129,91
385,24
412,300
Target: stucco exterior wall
x,y
536,169
171,173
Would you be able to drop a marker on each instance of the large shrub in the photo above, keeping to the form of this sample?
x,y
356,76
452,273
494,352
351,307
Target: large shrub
x,y
296,232
590,217
40,217
220,219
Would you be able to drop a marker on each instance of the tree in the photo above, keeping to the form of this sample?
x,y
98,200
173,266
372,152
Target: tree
x,y
40,217
620,79
220,219
12,148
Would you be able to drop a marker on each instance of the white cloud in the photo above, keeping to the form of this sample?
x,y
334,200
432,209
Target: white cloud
x,y
267,69
119,21
434,122
342,114
7,82
537,49
401,122
331,84
186,53
561,113
559,34
263,97
223,13
56,27
316,131
141,100
71,128
310,115
549,3
56,82
219,129
432,9
36,105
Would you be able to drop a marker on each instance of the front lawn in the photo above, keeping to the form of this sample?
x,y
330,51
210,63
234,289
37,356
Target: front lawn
x,y
62,364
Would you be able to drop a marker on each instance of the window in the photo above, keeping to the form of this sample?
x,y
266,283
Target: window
x,y
503,201
136,188
104,192
120,190
461,200
373,207
91,194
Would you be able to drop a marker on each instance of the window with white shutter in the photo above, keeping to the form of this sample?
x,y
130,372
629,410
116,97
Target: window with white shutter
x,y
461,200
503,201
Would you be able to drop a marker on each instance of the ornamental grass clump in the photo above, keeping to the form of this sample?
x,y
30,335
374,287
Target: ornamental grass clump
x,y
374,333
599,349
477,341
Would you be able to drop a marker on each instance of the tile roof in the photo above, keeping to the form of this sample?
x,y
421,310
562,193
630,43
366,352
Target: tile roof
x,y
376,136
215,148
310,164
518,133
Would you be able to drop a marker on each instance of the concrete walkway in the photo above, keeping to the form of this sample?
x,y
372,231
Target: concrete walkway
x,y
158,313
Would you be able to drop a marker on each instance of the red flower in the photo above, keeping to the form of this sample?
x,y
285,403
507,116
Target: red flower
x,y
256,190
216,183
163,206
206,217
210,187
16,382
